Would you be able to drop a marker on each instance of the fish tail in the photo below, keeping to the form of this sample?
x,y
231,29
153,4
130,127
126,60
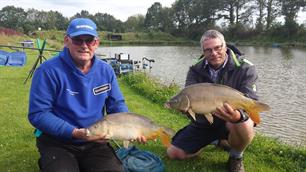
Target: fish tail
x,y
254,115
255,109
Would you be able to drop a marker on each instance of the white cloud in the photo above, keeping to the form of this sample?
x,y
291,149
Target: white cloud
x,y
120,9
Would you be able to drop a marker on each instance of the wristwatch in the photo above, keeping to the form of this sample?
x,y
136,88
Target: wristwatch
x,y
243,116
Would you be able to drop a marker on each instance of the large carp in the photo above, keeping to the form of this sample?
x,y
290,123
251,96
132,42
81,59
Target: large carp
x,y
204,98
128,127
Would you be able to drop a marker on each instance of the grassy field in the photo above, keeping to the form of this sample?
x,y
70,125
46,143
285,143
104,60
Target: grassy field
x,y
143,96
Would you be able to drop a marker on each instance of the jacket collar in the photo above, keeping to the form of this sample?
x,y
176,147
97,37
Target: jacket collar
x,y
229,64
66,57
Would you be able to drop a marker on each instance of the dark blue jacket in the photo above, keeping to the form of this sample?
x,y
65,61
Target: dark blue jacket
x,y
240,75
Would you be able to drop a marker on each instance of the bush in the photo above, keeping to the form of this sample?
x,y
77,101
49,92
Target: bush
x,y
150,87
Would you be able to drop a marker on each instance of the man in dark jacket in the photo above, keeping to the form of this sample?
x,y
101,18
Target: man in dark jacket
x,y
221,65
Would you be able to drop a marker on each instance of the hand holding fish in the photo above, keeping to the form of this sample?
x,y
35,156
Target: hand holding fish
x,y
80,133
127,126
227,113
142,139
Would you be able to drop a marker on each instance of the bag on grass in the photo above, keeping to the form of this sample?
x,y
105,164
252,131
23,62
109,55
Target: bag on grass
x,y
135,160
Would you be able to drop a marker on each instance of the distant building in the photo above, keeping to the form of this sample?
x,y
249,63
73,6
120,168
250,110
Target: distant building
x,y
114,37
27,44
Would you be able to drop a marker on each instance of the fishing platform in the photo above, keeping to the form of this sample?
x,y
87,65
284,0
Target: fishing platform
x,y
122,63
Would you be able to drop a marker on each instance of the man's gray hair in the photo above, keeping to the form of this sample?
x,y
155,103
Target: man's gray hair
x,y
212,34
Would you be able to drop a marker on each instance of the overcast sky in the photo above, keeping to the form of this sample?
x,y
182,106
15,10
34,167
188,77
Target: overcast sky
x,y
120,9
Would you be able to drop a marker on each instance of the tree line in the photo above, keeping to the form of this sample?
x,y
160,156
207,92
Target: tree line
x,y
185,18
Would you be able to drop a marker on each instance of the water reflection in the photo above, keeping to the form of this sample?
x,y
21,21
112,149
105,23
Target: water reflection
x,y
286,53
281,84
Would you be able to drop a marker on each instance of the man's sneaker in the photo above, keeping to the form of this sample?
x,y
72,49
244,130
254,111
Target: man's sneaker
x,y
235,164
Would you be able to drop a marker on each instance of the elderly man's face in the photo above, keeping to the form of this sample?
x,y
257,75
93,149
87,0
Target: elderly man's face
x,y
214,51
82,48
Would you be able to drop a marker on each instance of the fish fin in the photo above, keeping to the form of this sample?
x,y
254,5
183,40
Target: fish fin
x,y
152,135
254,115
168,131
192,114
186,103
209,118
165,137
126,144
261,106
255,109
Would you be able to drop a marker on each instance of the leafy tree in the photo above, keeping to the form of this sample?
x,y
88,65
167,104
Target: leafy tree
x,y
135,23
229,7
107,22
191,17
154,17
260,4
182,15
56,20
237,11
168,24
83,14
159,18
46,20
12,17
290,9
273,11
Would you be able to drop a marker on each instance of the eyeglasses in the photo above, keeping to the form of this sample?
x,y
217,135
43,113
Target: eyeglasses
x,y
217,48
88,41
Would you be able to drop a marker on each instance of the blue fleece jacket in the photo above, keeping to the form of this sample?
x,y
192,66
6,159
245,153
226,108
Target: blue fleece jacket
x,y
63,98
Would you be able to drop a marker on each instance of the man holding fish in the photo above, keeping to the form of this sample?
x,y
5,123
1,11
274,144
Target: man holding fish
x,y
218,111
69,93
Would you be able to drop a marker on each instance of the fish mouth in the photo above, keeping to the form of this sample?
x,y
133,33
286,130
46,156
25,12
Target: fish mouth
x,y
167,105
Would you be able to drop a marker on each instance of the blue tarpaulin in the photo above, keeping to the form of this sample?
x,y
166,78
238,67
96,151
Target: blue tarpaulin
x,y
3,57
12,58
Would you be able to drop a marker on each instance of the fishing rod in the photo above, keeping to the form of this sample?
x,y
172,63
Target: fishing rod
x,y
31,48
39,59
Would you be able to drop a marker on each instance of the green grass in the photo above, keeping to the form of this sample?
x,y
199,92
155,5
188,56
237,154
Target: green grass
x,y
143,96
17,144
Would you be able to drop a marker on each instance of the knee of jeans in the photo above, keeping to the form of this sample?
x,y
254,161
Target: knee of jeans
x,y
176,153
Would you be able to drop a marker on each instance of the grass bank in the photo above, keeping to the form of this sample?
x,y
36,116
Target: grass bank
x,y
137,38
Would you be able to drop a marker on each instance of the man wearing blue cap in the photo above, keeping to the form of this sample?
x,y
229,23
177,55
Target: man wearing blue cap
x,y
69,92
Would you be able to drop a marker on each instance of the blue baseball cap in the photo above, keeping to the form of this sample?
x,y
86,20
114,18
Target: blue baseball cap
x,y
82,26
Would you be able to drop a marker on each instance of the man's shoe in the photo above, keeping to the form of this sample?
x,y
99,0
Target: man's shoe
x,y
235,164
